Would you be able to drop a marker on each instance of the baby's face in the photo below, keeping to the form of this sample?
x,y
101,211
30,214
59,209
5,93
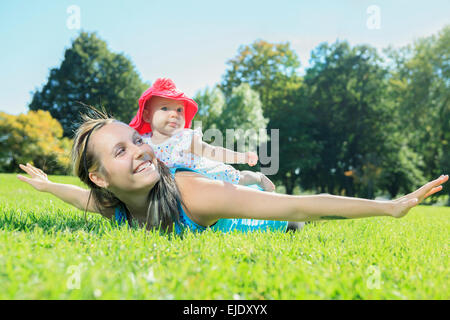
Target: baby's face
x,y
166,116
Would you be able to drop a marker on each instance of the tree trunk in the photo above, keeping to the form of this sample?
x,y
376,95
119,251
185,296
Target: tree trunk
x,y
350,189
288,184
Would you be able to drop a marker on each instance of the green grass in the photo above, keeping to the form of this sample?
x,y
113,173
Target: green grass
x,y
45,245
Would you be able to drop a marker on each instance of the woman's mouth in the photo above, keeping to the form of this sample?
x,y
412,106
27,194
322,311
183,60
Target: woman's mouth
x,y
144,166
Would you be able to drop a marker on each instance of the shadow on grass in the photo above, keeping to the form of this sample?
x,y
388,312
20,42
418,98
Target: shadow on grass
x,y
51,222
58,220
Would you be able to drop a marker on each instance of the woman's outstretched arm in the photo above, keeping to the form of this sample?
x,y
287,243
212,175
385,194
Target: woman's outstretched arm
x,y
74,195
208,200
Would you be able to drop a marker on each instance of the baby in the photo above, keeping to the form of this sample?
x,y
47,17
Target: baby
x,y
164,118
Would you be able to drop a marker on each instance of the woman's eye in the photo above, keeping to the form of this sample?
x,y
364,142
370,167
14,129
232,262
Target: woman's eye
x,y
164,108
120,151
180,109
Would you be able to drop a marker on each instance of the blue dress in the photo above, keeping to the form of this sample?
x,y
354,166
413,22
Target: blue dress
x,y
223,225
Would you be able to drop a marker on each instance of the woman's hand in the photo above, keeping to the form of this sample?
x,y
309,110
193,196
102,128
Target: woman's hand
x,y
38,179
401,206
74,195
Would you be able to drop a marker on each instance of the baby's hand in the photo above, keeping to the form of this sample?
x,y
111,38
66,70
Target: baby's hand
x,y
251,158
38,179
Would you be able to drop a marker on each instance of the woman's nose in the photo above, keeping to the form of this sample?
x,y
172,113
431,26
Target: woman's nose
x,y
138,152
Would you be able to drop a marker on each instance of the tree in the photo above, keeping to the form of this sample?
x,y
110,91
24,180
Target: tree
x,y
91,74
272,71
420,89
210,107
444,161
346,92
297,124
241,112
400,172
443,55
36,138
266,67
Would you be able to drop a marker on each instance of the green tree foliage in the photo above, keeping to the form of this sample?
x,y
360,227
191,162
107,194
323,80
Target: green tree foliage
x,y
272,71
91,74
266,67
210,107
346,92
420,89
36,138
400,171
297,125
241,112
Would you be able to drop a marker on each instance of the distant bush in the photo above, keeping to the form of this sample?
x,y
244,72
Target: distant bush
x,y
36,138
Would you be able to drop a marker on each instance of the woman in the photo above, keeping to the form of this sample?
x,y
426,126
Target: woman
x,y
127,181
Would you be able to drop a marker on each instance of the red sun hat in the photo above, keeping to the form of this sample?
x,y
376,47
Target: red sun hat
x,y
165,88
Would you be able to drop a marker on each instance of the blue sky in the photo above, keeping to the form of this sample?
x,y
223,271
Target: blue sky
x,y
190,41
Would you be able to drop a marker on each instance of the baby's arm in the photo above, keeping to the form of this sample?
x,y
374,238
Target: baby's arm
x,y
201,148
76,196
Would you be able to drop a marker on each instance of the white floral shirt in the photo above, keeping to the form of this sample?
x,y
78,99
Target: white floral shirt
x,y
173,152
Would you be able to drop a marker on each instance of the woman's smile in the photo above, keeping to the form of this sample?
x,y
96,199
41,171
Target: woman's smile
x,y
144,166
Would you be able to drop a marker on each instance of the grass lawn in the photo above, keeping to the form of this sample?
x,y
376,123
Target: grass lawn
x,y
49,251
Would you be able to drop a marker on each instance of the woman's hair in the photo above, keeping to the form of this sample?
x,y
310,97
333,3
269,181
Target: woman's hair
x,y
164,196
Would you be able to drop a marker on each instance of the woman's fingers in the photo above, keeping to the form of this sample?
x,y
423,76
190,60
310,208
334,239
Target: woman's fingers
x,y
433,191
30,170
433,186
24,179
437,188
439,181
26,169
33,168
41,172
35,183
426,190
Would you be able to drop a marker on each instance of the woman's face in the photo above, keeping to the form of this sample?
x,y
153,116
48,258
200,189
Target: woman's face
x,y
128,163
